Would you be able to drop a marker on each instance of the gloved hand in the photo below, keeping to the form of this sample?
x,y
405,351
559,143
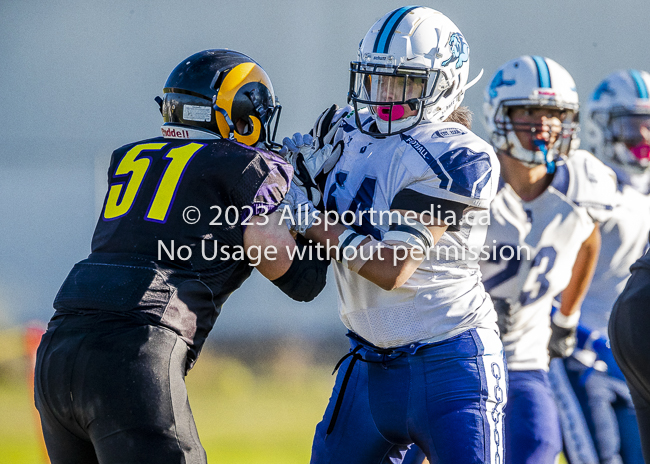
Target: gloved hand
x,y
563,340
504,311
313,155
326,127
300,213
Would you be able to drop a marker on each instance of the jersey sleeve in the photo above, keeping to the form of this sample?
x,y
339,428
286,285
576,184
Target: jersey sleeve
x,y
593,186
446,210
462,169
263,184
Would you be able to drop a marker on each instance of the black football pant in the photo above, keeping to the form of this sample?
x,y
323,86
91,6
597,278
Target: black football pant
x,y
111,391
629,331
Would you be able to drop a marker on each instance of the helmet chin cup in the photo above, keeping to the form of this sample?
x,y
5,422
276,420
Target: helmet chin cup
x,y
387,127
530,158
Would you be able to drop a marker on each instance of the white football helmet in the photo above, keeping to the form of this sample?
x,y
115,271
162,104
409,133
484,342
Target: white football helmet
x,y
413,65
534,82
618,121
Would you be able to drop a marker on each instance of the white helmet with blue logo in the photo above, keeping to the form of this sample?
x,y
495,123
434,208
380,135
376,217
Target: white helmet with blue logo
x,y
413,65
618,121
535,82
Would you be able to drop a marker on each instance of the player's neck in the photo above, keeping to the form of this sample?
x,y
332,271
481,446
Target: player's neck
x,y
528,183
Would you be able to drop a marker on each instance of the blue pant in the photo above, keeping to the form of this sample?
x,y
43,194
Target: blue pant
x,y
532,422
446,397
608,409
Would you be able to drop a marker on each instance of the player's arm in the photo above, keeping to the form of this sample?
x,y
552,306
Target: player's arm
x,y
583,271
299,278
564,322
389,263
390,277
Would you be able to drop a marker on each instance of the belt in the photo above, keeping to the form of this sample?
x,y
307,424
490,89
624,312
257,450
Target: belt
x,y
366,352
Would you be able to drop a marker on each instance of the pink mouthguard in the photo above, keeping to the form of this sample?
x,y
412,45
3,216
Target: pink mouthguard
x,y
397,113
641,151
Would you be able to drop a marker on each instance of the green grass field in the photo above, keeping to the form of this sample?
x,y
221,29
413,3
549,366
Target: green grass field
x,y
244,415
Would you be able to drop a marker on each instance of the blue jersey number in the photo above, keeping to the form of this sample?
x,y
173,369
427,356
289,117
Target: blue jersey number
x,y
510,270
362,202
547,252
513,266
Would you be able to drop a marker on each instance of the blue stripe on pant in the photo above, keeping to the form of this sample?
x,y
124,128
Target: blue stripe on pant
x,y
448,398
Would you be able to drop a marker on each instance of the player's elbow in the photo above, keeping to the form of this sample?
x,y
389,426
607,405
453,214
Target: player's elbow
x,y
390,285
304,280
395,282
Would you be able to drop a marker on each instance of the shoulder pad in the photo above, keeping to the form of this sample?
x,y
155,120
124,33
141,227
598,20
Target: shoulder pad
x,y
589,183
462,167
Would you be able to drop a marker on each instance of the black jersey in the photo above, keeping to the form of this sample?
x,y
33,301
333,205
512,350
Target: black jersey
x,y
643,262
168,246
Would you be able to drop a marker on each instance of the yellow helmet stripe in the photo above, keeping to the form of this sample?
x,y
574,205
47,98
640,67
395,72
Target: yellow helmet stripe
x,y
237,77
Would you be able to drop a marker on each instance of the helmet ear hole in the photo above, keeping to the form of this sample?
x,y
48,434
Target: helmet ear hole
x,y
246,124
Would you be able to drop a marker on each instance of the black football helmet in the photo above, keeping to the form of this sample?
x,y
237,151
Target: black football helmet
x,y
214,89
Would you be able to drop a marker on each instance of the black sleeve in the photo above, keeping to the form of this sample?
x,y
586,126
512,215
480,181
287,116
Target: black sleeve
x,y
306,277
448,211
263,184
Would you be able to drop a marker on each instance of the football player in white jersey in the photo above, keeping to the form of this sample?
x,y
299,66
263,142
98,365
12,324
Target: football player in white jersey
x,y
426,364
542,227
617,132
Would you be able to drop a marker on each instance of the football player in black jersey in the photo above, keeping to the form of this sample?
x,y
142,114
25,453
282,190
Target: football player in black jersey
x,y
181,219
629,326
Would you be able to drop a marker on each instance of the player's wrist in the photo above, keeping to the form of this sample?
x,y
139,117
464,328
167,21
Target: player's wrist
x,y
564,321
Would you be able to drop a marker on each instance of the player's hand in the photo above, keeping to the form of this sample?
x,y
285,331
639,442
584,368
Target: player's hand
x,y
325,130
315,154
296,150
504,314
563,341
300,213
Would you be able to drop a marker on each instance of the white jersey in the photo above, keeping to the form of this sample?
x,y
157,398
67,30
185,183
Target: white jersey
x,y
624,237
546,234
445,295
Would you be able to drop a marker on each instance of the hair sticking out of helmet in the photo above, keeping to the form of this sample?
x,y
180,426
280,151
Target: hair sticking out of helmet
x,y
225,93
412,66
618,121
531,110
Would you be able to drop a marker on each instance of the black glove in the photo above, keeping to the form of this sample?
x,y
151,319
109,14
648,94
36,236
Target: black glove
x,y
563,341
504,314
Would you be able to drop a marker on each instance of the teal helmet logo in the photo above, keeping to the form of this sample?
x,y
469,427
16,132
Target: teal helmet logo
x,y
459,50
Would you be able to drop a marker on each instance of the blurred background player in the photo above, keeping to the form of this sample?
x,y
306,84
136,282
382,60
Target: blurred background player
x,y
617,132
130,321
629,326
545,239
426,364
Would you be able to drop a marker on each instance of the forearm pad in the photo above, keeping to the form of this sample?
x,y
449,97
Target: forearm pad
x,y
305,278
